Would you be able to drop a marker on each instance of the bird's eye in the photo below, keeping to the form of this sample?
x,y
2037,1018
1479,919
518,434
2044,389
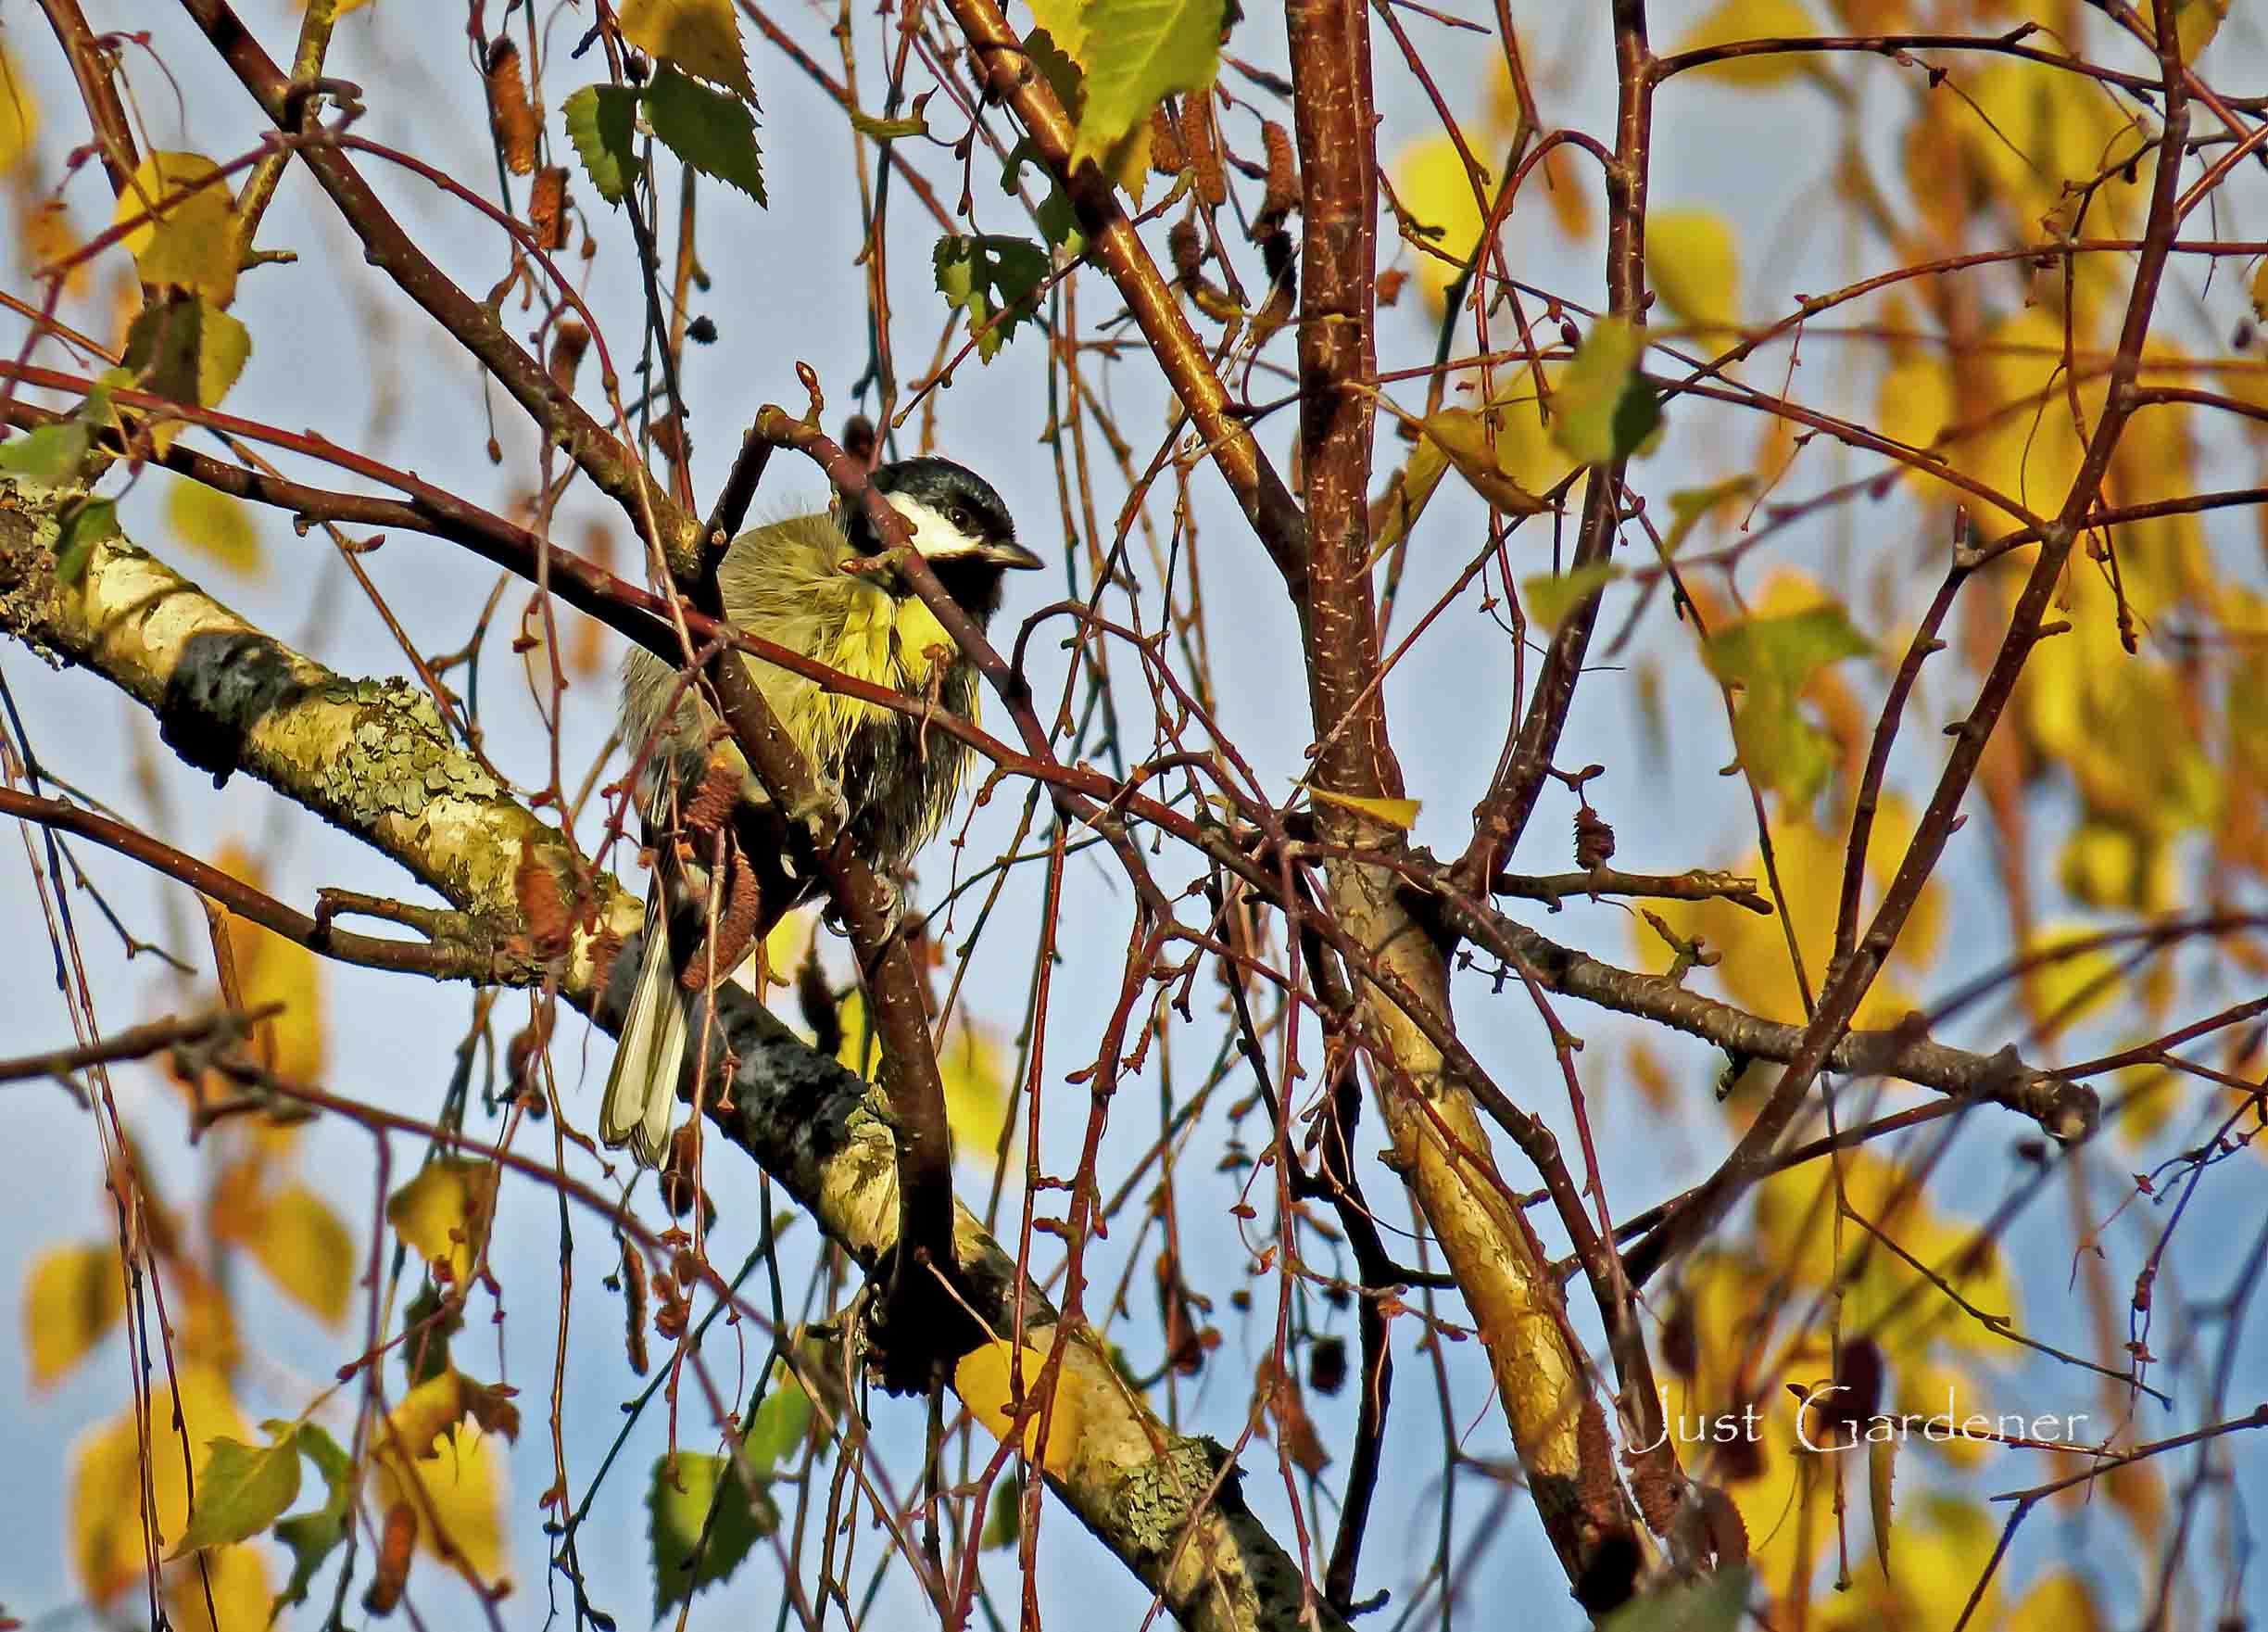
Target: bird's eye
x,y
960,517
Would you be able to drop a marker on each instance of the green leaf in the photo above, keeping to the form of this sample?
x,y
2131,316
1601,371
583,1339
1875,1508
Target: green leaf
x,y
196,242
1012,168
1124,159
48,454
223,344
1547,598
1717,1602
313,1535
241,1490
679,1505
1689,506
888,130
601,120
53,453
1605,409
710,131
1788,650
1065,24
1004,1525
1059,222
1772,659
988,276
221,525
775,1431
1428,461
701,36
85,525
1135,52
187,349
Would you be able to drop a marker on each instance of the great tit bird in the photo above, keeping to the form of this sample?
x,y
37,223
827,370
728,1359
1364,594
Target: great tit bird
x,y
896,780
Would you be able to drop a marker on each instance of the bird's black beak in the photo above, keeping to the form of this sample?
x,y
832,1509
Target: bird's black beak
x,y
1009,553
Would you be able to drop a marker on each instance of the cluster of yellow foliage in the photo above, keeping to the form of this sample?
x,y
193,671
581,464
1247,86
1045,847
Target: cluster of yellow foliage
x,y
130,1501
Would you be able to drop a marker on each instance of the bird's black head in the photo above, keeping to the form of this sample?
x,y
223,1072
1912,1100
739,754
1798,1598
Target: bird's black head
x,y
959,524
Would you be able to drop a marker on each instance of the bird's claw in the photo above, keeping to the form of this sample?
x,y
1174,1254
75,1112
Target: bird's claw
x,y
823,813
893,913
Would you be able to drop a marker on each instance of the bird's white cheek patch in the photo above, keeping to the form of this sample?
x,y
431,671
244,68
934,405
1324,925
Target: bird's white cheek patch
x,y
933,535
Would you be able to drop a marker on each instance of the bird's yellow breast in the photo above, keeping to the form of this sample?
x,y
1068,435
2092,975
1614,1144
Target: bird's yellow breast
x,y
887,641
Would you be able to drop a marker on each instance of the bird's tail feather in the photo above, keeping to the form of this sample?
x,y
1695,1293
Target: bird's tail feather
x,y
641,1090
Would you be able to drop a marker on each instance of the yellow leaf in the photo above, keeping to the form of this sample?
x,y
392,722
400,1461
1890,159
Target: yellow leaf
x,y
2032,129
1548,598
184,348
785,946
204,1318
1395,813
421,1416
1652,1079
2137,1491
1871,17
1886,1299
1752,19
1944,1548
237,1580
1126,160
1065,22
105,1513
2068,988
1760,1465
443,1212
307,1250
2023,442
1443,212
2059,1601
1566,186
2196,22
220,523
984,1379
1693,263
2146,1099
1525,448
73,1296
2113,865
862,1050
1756,972
461,1513
19,113
271,970
1915,404
1408,500
701,36
48,237
1460,434
974,1069
1938,1396
190,242
222,345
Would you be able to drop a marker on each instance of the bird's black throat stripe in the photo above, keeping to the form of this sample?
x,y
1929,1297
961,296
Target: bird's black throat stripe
x,y
973,582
